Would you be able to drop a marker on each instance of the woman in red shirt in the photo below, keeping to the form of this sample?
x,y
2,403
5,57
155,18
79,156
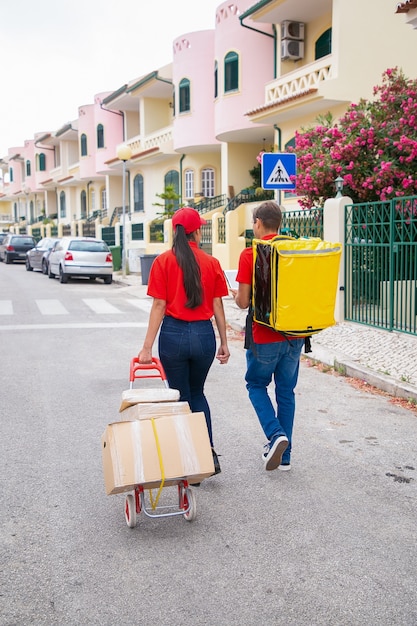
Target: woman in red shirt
x,y
187,286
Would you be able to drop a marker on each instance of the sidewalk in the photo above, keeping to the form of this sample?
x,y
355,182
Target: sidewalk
x,y
386,360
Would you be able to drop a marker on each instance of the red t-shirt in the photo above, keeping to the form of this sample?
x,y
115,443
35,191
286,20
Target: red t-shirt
x,y
261,333
166,283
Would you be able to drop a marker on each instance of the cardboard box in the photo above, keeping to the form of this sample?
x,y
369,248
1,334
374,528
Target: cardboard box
x,y
146,410
135,396
130,452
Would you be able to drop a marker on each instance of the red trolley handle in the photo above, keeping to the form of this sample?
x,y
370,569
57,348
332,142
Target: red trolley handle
x,y
136,368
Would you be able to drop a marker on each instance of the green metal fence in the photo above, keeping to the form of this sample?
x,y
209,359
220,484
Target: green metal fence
x,y
303,223
381,264
108,235
137,232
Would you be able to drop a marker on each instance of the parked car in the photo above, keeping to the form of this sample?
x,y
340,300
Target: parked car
x,y
81,256
14,247
38,257
2,236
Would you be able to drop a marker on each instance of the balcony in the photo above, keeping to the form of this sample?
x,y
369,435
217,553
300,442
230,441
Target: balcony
x,y
300,82
160,139
297,92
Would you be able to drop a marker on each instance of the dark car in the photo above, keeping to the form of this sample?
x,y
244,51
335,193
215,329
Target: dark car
x,y
37,258
14,247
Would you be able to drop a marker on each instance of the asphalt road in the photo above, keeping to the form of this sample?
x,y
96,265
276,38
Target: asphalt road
x,y
332,542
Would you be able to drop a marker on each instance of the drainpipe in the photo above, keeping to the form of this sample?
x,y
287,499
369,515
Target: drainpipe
x,y
181,160
278,131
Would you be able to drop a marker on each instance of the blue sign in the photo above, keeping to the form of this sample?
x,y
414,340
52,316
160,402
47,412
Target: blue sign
x,y
276,170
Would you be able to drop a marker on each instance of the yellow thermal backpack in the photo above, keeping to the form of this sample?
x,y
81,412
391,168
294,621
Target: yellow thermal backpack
x,y
295,284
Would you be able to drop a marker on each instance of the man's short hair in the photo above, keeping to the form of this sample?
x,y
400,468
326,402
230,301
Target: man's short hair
x,y
270,214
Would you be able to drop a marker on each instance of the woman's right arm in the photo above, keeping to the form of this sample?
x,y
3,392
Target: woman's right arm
x,y
155,320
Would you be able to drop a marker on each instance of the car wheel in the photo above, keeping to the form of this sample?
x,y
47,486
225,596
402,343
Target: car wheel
x,y
108,280
29,268
44,267
8,259
63,278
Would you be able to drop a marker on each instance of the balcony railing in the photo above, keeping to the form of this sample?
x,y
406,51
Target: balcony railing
x,y
152,140
300,81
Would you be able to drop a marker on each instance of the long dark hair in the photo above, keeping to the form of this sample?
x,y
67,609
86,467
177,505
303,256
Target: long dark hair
x,y
190,268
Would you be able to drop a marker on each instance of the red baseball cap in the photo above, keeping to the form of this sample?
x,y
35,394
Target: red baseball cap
x,y
189,218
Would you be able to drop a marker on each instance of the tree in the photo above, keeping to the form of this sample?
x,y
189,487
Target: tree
x,y
373,147
170,204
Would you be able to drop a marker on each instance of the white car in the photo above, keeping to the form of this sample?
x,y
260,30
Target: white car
x,y
81,256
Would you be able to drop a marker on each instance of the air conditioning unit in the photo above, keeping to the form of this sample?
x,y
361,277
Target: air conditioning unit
x,y
292,50
292,30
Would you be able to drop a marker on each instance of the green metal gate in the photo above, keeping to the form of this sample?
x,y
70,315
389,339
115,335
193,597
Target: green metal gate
x,y
381,264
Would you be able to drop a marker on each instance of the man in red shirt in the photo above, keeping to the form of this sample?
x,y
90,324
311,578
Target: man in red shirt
x,y
187,286
269,355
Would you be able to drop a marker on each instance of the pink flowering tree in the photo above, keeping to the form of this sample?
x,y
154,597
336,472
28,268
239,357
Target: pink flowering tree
x,y
373,147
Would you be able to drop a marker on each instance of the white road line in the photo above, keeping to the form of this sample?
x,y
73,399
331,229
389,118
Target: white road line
x,y
6,307
143,305
72,326
51,307
101,306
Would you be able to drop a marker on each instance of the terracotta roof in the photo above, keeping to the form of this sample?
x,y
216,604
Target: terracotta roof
x,y
276,103
404,7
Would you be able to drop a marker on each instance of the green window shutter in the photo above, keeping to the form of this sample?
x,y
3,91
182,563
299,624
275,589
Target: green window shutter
x,y
184,95
323,45
231,72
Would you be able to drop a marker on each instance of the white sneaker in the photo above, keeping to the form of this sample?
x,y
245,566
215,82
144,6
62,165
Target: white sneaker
x,y
284,467
273,453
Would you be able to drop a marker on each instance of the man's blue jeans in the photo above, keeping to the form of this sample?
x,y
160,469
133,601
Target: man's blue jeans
x,y
187,350
281,361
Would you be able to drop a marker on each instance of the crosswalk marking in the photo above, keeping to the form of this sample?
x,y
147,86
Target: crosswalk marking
x,y
51,307
20,327
101,306
6,307
143,305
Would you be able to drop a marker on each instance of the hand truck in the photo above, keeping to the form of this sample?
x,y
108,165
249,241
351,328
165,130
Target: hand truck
x,y
136,503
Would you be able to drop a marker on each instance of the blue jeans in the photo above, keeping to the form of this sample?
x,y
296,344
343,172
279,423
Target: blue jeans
x,y
187,350
280,360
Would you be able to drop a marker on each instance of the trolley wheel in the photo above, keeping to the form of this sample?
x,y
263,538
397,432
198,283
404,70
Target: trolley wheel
x,y
130,511
190,501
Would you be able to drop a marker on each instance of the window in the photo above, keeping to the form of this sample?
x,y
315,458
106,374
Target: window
x,y
184,95
207,182
100,136
62,204
323,45
189,183
172,179
103,194
41,162
28,168
11,174
231,72
93,200
83,145
216,79
138,193
83,199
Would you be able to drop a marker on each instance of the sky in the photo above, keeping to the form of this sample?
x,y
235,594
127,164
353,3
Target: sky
x,y
56,55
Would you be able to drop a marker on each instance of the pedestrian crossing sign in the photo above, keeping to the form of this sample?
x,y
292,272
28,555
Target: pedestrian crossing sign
x,y
277,170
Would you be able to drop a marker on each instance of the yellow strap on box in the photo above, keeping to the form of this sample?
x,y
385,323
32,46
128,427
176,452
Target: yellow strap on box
x,y
161,465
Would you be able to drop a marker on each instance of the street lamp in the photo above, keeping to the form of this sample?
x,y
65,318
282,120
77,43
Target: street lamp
x,y
339,186
124,153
